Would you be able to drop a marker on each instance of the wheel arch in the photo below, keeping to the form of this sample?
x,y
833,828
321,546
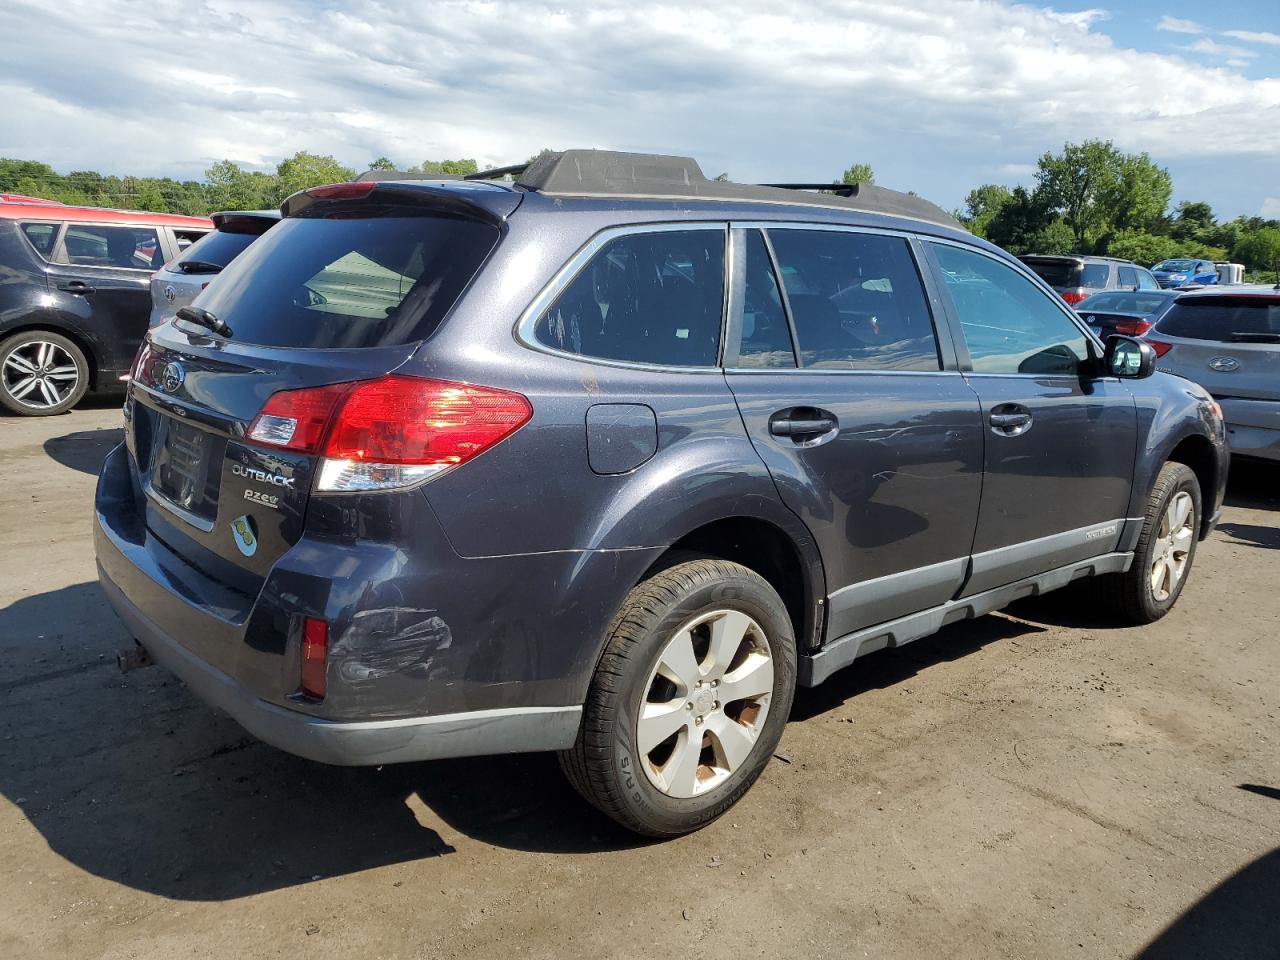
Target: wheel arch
x,y
53,325
1196,452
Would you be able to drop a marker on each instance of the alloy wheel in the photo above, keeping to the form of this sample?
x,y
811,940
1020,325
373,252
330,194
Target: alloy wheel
x,y
705,703
39,374
1172,546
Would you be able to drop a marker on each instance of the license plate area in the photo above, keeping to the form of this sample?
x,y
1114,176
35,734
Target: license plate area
x,y
186,468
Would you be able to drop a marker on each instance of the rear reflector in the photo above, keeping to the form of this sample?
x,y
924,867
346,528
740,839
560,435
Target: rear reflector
x,y
391,432
1133,328
315,653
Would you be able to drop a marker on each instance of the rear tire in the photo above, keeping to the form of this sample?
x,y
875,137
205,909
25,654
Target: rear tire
x,y
1165,551
41,373
688,701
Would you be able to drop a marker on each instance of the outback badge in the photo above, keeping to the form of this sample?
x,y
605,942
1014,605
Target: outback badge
x,y
242,531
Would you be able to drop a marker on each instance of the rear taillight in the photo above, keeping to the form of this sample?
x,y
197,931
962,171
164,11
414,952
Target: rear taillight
x,y
1074,296
315,655
392,432
1159,346
1133,328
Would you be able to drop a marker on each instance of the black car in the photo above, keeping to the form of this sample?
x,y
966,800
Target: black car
x,y
608,459
1076,277
1130,313
75,298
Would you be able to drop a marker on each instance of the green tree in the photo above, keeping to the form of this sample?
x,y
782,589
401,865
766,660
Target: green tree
x,y
1096,188
858,173
722,177
1258,249
304,170
1142,247
982,204
1190,220
1140,194
1020,222
457,168
231,188
382,163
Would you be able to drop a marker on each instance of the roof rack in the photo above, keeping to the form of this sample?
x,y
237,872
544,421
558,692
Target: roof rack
x,y
606,173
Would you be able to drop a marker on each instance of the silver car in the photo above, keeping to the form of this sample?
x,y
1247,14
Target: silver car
x,y
180,280
1227,339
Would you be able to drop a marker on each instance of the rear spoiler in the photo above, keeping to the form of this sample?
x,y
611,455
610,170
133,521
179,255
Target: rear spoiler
x,y
482,202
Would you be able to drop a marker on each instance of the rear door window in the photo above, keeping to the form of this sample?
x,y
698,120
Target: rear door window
x,y
1009,324
655,297
107,245
856,301
1094,276
360,282
1227,319
766,338
42,236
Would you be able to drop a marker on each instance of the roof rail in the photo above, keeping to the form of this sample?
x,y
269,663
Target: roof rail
x,y
649,176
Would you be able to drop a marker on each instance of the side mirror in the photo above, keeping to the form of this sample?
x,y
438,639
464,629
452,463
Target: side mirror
x,y
1129,358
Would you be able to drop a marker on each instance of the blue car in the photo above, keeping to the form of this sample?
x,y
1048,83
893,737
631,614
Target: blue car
x,y
1184,272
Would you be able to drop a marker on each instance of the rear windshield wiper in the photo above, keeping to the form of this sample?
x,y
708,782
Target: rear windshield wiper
x,y
199,266
1255,338
205,319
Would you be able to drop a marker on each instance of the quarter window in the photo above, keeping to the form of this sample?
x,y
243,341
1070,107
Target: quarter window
x,y
41,236
1128,277
98,245
1094,276
1009,324
654,297
766,340
856,301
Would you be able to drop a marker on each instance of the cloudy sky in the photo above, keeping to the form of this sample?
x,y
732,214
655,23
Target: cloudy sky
x,y
938,95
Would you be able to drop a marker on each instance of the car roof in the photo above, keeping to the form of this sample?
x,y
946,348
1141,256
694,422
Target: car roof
x,y
1158,292
609,174
1077,258
61,212
1233,290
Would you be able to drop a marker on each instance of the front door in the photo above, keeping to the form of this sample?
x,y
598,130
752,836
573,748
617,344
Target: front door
x,y
1060,442
871,435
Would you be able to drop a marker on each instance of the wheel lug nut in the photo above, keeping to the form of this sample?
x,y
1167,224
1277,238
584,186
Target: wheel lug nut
x,y
715,683
688,705
698,721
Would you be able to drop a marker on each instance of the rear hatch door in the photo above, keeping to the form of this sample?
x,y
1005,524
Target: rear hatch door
x,y
342,292
1227,343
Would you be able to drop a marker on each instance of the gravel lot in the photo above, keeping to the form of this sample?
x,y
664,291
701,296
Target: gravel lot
x,y
1033,784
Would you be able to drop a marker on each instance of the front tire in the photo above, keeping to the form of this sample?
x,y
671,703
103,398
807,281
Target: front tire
x,y
41,373
688,701
1166,548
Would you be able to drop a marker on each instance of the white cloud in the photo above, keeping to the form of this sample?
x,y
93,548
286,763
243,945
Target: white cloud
x,y
933,94
1214,49
1270,208
1174,25
1250,36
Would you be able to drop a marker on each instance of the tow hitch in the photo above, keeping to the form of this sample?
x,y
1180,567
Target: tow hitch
x,y
133,658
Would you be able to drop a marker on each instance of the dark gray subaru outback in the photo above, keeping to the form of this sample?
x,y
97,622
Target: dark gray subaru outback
x,y
608,458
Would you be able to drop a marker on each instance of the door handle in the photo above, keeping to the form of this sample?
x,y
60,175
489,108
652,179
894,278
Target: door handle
x,y
76,286
1010,419
802,424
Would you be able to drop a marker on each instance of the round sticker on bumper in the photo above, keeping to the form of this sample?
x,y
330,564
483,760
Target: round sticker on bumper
x,y
243,532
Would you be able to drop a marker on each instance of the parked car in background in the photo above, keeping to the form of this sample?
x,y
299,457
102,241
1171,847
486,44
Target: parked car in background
x,y
1130,313
76,297
180,280
1228,341
609,459
1185,272
1077,277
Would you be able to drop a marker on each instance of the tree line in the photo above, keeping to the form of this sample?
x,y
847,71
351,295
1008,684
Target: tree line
x,y
1089,198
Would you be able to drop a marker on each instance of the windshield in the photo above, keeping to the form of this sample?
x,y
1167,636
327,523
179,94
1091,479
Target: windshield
x,y
1223,318
320,283
1176,266
1126,302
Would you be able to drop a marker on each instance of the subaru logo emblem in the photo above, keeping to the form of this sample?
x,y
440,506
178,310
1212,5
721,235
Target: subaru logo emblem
x,y
172,377
170,294
1224,364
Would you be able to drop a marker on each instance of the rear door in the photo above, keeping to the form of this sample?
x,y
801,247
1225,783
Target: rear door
x,y
1060,443
853,400
102,272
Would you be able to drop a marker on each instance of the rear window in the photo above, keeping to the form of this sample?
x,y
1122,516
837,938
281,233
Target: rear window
x,y
212,252
327,283
1228,319
1056,273
1122,303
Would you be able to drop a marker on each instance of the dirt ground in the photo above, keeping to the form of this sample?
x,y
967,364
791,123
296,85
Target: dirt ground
x,y
1033,784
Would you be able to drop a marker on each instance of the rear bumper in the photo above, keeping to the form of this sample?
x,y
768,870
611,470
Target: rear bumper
x,y
359,743
1253,427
